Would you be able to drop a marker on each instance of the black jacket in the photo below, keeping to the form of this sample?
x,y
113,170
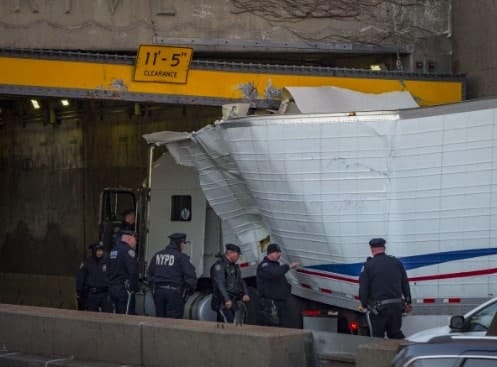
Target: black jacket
x,y
92,274
172,267
383,277
227,282
122,266
271,280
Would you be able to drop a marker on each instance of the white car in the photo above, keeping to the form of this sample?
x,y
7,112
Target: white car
x,y
473,323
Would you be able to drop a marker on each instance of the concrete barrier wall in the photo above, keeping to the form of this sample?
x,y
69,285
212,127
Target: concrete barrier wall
x,y
83,335
379,353
342,350
148,341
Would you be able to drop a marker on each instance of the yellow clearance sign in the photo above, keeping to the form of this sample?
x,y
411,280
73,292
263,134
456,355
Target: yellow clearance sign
x,y
163,64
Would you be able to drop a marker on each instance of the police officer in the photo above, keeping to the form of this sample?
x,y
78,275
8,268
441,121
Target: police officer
x,y
228,287
129,219
170,274
91,283
384,290
127,224
274,289
122,273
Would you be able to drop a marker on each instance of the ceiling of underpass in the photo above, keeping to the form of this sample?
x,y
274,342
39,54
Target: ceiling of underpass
x,y
26,110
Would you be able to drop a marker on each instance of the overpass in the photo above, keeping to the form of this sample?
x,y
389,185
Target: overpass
x,y
113,77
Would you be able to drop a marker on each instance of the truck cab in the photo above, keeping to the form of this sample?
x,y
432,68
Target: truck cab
x,y
173,202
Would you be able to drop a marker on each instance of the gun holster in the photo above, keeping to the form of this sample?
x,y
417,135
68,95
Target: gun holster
x,y
374,309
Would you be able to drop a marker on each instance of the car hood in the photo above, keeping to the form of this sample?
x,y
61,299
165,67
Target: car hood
x,y
425,335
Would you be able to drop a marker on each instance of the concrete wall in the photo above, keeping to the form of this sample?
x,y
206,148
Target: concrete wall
x,y
42,198
52,175
34,289
31,335
149,341
475,49
340,26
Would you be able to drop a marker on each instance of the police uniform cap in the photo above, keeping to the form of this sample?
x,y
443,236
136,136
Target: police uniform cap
x,y
377,242
232,247
128,232
273,247
176,237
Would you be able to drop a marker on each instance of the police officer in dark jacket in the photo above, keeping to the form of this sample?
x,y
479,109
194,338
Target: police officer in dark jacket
x,y
228,286
170,274
122,273
91,283
384,291
274,289
127,224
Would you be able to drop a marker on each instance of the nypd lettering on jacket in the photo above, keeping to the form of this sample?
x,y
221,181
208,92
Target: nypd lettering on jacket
x,y
171,267
164,260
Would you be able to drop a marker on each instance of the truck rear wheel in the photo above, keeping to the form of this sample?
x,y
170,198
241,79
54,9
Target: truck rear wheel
x,y
198,307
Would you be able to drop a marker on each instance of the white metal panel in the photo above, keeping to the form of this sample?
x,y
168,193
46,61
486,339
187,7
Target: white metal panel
x,y
170,179
333,99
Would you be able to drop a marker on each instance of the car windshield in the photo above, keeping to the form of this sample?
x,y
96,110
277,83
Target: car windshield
x,y
481,320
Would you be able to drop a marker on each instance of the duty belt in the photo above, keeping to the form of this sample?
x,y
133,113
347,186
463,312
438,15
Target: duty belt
x,y
97,289
387,301
168,286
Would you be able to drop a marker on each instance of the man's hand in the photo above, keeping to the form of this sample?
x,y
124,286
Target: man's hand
x,y
228,304
361,309
408,308
294,264
246,298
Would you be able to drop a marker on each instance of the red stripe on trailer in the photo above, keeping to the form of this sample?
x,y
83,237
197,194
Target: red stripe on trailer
x,y
428,300
411,279
454,275
454,300
324,290
244,265
305,285
331,276
357,298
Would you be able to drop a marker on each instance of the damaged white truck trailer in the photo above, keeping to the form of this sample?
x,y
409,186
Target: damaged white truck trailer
x,y
322,184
